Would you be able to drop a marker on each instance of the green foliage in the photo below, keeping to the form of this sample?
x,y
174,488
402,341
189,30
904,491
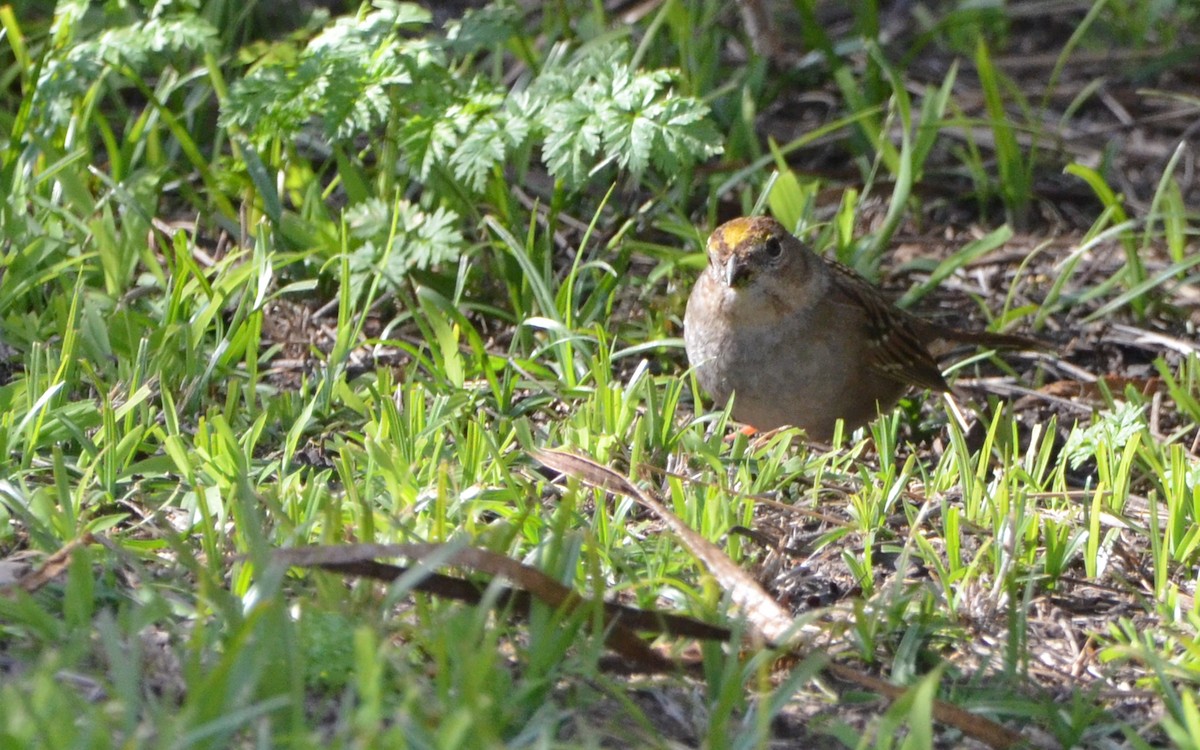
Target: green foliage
x,y
1015,179
585,110
83,57
346,75
326,641
392,240
1111,432
1144,23
593,110
964,24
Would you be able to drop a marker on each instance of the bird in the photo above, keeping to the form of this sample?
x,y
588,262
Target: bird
x,y
799,339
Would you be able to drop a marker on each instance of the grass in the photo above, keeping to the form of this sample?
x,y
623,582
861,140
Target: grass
x,y
265,290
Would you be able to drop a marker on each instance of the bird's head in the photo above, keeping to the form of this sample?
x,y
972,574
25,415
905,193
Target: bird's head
x,y
759,255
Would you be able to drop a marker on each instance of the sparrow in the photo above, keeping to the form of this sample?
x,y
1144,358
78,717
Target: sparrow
x,y
798,339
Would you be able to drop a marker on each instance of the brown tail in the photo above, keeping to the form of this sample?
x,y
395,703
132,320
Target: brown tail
x,y
941,340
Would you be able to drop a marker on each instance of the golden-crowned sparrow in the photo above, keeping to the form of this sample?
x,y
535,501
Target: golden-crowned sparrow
x,y
801,340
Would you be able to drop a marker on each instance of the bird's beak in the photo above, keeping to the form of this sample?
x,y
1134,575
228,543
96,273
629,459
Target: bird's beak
x,y
735,272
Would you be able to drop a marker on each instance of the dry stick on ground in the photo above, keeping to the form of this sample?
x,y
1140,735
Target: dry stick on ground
x,y
763,614
51,567
616,636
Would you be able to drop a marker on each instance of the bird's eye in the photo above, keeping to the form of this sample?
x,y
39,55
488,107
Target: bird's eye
x,y
773,248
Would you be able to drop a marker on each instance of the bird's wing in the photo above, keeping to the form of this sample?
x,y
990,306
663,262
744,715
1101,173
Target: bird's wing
x,y
894,349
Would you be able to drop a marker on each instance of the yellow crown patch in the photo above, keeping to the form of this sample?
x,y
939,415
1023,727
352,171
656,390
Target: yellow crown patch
x,y
744,231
